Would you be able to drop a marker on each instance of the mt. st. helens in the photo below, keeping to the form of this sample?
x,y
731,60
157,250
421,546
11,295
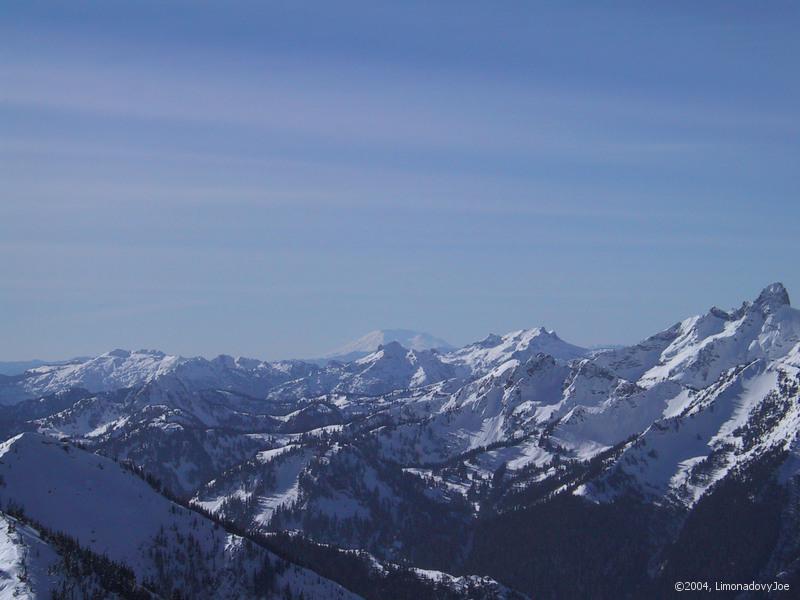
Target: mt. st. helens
x,y
413,340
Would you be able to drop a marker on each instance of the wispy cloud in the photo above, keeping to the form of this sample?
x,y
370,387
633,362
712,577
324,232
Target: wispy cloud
x,y
382,163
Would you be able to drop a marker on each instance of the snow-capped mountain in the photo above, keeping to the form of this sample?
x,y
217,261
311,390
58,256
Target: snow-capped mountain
x,y
17,367
438,458
124,369
494,351
369,343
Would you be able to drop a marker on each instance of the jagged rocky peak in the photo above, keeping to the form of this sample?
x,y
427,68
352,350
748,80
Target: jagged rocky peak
x,y
389,350
539,363
720,313
225,360
540,360
490,340
393,348
773,297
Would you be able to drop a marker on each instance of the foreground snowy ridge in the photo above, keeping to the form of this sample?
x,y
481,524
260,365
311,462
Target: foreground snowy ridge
x,y
116,514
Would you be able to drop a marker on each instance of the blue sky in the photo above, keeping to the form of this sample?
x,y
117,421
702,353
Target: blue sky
x,y
274,179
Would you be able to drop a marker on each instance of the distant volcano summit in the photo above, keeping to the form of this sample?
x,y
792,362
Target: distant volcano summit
x,y
413,340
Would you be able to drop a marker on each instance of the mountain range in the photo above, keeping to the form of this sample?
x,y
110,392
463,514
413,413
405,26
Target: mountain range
x,y
398,466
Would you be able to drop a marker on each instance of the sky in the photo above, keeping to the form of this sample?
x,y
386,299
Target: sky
x,y
273,179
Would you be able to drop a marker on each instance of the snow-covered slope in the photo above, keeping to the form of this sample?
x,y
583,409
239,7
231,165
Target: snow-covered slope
x,y
26,562
745,414
38,563
250,493
115,513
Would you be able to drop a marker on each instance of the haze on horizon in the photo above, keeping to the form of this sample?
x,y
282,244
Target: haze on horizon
x,y
276,179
